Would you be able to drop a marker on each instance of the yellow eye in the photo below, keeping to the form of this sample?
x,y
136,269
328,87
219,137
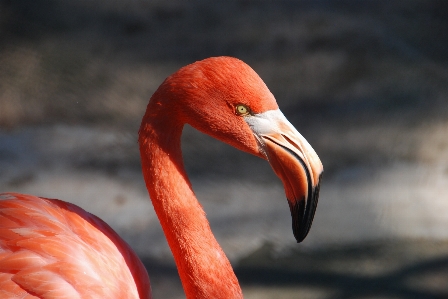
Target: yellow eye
x,y
242,110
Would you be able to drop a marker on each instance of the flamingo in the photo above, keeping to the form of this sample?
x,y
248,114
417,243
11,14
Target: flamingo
x,y
53,249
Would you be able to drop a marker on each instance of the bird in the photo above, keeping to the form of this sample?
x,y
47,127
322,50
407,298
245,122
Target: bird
x,y
53,249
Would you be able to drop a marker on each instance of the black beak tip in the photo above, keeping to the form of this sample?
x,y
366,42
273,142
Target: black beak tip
x,y
302,213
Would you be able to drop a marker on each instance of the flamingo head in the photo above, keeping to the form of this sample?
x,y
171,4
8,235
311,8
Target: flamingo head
x,y
225,98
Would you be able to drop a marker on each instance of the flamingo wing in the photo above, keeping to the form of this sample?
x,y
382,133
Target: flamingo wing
x,y
53,249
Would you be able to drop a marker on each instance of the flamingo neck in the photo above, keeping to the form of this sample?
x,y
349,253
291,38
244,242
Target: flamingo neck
x,y
203,267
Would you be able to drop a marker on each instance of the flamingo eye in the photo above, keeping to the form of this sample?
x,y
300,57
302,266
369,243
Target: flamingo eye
x,y
242,110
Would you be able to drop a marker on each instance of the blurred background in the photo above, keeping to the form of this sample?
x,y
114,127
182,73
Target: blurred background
x,y
366,82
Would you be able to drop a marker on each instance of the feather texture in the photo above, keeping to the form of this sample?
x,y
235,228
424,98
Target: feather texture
x,y
53,249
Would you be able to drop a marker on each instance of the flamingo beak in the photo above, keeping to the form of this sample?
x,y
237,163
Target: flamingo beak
x,y
295,163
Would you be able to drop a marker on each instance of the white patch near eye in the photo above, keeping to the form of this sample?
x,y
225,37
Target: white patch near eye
x,y
269,122
266,122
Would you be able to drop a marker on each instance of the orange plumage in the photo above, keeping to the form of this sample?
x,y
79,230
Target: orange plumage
x,y
52,249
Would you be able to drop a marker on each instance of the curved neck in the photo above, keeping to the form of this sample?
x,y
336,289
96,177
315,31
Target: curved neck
x,y
204,269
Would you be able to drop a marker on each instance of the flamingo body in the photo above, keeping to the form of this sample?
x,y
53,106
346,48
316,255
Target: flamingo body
x,y
51,249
